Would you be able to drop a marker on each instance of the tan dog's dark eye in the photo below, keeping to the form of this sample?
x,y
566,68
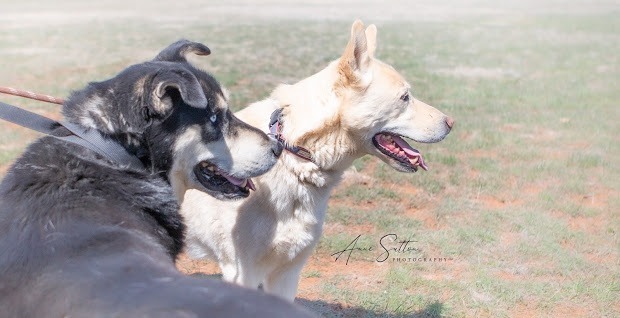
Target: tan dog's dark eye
x,y
405,97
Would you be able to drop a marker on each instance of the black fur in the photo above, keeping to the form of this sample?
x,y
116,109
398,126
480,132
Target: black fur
x,y
84,237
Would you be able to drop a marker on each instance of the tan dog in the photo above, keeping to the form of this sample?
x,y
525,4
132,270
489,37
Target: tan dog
x,y
357,105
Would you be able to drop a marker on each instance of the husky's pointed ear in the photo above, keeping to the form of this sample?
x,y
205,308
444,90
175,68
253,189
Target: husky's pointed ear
x,y
169,84
178,51
355,60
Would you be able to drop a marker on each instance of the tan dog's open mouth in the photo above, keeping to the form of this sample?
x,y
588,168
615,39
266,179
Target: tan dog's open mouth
x,y
397,148
217,180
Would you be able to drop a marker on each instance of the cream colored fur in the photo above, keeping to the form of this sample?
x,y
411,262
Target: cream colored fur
x,y
334,113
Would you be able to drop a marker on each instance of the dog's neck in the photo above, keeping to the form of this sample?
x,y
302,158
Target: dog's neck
x,y
99,114
312,120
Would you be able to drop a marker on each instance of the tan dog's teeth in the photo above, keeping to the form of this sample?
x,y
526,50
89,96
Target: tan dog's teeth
x,y
211,168
244,183
414,161
204,164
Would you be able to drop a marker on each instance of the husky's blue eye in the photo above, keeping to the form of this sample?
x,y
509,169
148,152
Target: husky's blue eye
x,y
405,97
213,118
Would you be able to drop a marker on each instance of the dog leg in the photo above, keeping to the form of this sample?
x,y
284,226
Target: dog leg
x,y
232,274
284,282
229,272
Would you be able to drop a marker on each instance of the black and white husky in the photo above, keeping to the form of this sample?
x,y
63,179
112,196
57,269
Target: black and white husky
x,y
84,236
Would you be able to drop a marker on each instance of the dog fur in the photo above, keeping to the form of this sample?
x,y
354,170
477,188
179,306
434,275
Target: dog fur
x,y
339,114
81,236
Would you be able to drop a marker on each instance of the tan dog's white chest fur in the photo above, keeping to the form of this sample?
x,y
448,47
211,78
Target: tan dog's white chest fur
x,y
357,105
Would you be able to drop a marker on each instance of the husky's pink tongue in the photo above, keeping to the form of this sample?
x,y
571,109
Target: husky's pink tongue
x,y
239,182
410,152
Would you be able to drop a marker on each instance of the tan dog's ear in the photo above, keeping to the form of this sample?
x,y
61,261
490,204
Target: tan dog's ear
x,y
371,39
178,51
355,60
173,83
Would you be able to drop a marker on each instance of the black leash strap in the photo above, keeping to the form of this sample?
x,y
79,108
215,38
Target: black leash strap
x,y
69,132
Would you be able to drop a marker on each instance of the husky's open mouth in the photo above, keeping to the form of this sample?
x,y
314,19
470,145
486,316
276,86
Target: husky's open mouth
x,y
220,183
398,149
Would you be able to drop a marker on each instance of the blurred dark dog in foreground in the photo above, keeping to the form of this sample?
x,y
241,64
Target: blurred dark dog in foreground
x,y
84,236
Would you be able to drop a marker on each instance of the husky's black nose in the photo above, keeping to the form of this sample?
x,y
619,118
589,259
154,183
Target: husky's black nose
x,y
277,148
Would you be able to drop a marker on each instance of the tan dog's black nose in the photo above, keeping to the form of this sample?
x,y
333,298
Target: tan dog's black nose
x,y
449,122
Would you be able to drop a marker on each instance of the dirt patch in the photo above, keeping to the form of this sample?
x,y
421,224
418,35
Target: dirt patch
x,y
494,203
574,309
593,224
596,198
524,311
426,216
508,239
191,266
363,276
336,228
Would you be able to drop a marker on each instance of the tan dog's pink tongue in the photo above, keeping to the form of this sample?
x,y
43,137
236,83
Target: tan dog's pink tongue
x,y
415,157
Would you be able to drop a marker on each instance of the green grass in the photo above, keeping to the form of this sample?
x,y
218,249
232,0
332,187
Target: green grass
x,y
394,301
312,274
527,183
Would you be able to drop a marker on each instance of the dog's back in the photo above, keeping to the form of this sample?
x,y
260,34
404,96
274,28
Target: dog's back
x,y
65,221
79,237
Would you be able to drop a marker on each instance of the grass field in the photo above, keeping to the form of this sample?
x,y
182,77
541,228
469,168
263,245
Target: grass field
x,y
519,213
